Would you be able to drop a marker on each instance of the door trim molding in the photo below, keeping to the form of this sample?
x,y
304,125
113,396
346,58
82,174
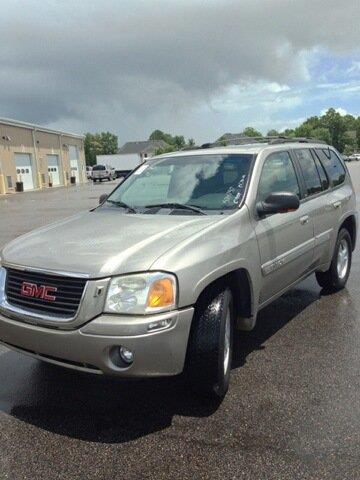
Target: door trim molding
x,y
287,257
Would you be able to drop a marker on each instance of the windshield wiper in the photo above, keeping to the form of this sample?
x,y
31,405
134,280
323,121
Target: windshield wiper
x,y
123,205
175,205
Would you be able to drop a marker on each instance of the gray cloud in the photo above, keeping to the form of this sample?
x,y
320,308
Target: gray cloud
x,y
71,62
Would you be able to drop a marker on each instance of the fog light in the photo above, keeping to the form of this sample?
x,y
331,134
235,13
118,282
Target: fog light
x,y
126,355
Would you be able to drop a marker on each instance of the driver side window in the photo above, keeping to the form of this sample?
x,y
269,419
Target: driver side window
x,y
278,175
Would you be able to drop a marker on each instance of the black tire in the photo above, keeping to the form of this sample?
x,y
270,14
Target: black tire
x,y
207,373
333,279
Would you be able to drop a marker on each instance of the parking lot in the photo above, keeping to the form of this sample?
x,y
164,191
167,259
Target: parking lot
x,y
292,411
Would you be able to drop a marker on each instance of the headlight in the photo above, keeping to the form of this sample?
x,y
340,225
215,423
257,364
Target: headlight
x,y
142,293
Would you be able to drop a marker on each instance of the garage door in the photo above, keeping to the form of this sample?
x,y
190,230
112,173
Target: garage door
x,y
74,164
24,170
54,169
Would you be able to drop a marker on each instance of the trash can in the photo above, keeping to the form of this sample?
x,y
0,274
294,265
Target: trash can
x,y
73,180
19,186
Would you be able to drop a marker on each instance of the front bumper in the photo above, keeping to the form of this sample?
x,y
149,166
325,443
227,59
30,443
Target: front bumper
x,y
94,346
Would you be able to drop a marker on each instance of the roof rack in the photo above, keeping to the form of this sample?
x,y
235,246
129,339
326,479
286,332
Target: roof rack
x,y
271,140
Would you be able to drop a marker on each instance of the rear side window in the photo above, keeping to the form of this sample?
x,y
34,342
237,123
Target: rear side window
x,y
309,171
322,174
278,175
332,164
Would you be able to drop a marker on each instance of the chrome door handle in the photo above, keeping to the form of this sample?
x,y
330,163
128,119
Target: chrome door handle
x,y
304,220
337,204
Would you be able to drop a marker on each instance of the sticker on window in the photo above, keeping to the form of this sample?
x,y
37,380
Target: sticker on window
x,y
235,193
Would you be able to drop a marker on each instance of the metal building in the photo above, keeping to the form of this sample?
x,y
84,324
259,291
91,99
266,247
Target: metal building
x,y
38,157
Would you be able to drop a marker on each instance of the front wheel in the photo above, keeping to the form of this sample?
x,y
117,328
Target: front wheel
x,y
211,344
336,277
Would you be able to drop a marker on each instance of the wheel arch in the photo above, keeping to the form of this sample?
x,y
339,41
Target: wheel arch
x,y
350,224
240,284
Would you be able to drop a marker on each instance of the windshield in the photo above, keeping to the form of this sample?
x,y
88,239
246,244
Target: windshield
x,y
99,167
209,182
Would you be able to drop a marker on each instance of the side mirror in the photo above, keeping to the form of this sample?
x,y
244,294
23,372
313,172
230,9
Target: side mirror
x,y
278,202
103,198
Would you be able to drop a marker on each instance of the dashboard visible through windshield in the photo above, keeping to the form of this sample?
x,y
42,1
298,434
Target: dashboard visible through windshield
x,y
197,183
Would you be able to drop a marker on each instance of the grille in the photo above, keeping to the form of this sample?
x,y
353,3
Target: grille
x,y
67,296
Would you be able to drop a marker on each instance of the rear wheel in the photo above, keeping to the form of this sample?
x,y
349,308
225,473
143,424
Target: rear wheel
x,y
336,277
211,343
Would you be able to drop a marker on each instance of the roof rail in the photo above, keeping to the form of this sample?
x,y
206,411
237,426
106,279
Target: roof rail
x,y
296,140
271,140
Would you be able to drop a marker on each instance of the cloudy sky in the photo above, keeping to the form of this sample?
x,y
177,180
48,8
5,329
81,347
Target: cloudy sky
x,y
193,67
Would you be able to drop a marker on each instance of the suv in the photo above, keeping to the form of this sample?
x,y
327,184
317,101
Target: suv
x,y
190,246
103,172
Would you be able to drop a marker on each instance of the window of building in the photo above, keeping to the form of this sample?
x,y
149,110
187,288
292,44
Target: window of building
x,y
278,175
309,171
332,164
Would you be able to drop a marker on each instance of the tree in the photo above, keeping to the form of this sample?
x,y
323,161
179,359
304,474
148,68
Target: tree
x,y
349,149
313,122
191,142
179,142
109,143
166,149
160,135
92,147
288,132
357,132
251,132
272,133
104,143
321,133
304,130
337,128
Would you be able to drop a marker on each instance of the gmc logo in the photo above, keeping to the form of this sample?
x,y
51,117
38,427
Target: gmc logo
x,y
32,290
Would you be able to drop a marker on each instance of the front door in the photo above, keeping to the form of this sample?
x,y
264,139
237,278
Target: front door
x,y
24,170
286,240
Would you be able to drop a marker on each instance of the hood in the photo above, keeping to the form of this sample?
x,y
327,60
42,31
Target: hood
x,y
103,242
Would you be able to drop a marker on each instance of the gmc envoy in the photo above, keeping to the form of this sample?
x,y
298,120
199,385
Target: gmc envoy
x,y
190,246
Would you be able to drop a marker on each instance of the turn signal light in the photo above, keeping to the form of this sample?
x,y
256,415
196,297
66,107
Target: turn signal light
x,y
161,293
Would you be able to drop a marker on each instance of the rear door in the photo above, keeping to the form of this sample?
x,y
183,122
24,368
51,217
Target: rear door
x,y
286,240
316,196
338,200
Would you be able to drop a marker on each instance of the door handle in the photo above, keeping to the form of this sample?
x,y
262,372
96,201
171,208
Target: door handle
x,y
337,204
304,220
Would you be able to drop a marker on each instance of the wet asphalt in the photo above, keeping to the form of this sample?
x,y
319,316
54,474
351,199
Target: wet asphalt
x,y
292,411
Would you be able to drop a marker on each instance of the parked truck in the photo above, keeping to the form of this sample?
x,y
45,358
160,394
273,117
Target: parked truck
x,y
123,164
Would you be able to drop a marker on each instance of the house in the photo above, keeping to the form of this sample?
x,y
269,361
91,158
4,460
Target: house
x,y
130,155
